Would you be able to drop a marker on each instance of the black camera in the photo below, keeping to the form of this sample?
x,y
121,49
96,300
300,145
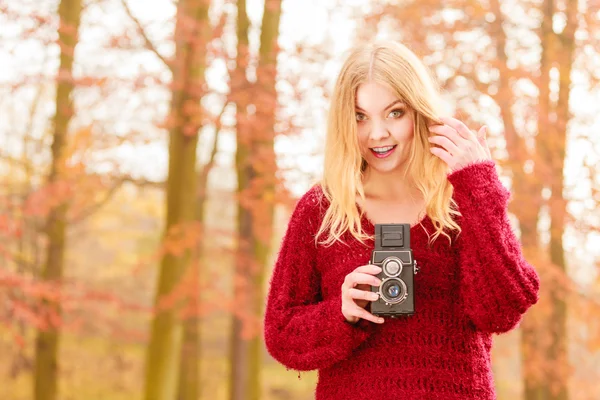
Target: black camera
x,y
393,254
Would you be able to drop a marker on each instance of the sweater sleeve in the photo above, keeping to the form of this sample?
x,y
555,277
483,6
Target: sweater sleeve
x,y
497,284
302,330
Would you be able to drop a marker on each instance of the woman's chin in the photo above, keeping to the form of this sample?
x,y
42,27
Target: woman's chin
x,y
385,167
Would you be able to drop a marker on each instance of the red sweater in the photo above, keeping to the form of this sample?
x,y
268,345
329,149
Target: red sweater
x,y
463,294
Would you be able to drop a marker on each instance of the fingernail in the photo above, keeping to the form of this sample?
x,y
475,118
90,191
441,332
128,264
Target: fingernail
x,y
380,320
376,268
374,296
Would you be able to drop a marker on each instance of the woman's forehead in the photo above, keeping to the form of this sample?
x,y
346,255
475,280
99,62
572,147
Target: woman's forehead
x,y
375,97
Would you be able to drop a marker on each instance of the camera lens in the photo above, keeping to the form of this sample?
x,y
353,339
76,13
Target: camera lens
x,y
393,290
392,266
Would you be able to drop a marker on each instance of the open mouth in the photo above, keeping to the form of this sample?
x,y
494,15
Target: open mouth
x,y
382,152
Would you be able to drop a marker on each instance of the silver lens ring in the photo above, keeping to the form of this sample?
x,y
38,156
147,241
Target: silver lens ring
x,y
403,294
392,266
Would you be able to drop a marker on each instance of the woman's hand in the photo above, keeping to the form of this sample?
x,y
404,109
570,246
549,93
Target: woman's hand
x,y
356,293
458,145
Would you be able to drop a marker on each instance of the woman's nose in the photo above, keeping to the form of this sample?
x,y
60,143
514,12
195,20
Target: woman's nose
x,y
379,131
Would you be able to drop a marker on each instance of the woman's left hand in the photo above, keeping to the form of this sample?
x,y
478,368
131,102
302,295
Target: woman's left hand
x,y
458,145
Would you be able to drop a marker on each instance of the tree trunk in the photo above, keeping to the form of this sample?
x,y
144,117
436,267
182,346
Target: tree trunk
x,y
47,340
163,358
256,168
558,352
189,377
189,364
544,356
544,341
532,333
239,380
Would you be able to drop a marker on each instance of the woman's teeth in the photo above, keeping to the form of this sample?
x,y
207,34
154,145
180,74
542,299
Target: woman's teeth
x,y
382,151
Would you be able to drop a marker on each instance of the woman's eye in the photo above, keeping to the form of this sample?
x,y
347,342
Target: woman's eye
x,y
360,117
397,113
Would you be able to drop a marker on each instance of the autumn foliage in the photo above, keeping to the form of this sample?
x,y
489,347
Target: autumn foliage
x,y
150,154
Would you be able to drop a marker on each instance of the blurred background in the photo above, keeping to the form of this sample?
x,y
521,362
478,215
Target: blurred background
x,y
151,153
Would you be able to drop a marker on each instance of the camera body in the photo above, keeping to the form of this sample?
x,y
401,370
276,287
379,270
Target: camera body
x,y
393,254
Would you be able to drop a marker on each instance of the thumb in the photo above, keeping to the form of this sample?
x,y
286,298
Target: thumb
x,y
482,139
482,134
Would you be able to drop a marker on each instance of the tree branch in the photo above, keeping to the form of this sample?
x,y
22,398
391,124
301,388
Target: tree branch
x,y
141,182
95,207
111,192
209,164
149,45
16,162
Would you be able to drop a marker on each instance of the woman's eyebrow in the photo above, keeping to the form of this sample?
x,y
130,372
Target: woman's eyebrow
x,y
388,106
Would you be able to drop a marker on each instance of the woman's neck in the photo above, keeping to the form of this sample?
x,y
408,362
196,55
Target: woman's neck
x,y
389,187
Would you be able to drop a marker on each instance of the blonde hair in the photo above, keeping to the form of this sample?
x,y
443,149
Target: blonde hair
x,y
395,66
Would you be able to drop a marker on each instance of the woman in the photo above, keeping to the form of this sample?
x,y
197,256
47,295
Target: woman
x,y
390,157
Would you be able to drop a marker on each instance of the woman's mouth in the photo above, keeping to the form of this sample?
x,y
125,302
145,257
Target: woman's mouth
x,y
382,152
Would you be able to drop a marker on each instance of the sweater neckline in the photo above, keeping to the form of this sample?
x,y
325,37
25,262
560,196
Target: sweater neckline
x,y
367,223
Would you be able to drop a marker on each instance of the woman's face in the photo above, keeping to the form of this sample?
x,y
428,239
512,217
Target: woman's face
x,y
385,127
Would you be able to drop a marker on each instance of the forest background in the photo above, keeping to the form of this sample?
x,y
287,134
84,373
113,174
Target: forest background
x,y
151,153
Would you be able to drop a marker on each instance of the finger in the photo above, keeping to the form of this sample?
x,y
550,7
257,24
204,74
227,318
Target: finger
x,y
362,295
445,143
459,126
357,278
443,154
368,269
482,138
481,135
356,311
449,132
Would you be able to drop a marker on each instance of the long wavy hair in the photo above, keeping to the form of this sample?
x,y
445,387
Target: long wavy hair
x,y
395,66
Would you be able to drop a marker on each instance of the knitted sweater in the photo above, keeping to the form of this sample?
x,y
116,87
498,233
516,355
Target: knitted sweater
x,y
464,293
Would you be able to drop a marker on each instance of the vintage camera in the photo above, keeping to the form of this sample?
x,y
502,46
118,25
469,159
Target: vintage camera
x,y
393,254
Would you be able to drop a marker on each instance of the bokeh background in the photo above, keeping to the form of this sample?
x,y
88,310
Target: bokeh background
x,y
151,153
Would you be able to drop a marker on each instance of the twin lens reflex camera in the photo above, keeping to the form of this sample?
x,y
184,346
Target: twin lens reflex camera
x,y
393,255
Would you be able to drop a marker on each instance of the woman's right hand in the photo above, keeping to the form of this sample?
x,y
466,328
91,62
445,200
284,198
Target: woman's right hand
x,y
356,293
